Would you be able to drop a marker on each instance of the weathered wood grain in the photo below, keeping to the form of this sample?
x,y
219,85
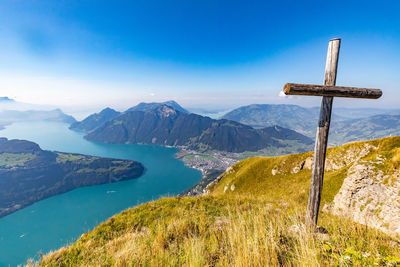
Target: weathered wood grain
x,y
328,91
321,139
333,91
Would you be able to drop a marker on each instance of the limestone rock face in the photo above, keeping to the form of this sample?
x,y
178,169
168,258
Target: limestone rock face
x,y
308,163
370,197
336,162
370,171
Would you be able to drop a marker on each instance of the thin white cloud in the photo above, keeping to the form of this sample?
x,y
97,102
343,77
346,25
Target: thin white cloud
x,y
282,94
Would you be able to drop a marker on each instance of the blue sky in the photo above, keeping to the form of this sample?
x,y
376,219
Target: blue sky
x,y
215,54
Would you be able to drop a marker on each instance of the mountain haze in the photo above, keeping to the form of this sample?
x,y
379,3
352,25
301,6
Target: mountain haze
x,y
373,127
356,113
300,119
11,116
347,124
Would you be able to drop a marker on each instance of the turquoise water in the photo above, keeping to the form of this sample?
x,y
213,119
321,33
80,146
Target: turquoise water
x,y
60,220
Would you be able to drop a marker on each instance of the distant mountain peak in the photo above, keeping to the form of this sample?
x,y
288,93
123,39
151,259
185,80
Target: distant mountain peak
x,y
254,106
93,121
6,99
108,110
153,105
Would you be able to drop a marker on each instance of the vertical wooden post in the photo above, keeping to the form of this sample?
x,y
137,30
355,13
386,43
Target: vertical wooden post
x,y
321,139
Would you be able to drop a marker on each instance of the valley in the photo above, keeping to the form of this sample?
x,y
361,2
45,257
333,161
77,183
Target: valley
x,y
199,133
213,163
205,144
212,146
208,145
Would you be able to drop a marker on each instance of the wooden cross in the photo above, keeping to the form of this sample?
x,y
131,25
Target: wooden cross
x,y
327,91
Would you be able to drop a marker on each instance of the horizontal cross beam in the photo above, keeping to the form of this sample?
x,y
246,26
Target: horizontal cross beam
x,y
333,91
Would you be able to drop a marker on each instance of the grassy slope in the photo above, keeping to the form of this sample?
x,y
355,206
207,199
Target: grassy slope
x,y
253,225
9,160
253,176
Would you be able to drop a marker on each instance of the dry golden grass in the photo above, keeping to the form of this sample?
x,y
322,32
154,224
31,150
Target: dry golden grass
x,y
224,231
396,158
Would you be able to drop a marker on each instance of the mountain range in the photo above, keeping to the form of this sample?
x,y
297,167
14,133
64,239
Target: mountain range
x,y
358,113
95,120
159,123
147,123
377,126
300,119
346,125
169,127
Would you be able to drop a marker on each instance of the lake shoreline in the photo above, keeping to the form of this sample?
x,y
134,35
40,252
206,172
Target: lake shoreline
x,y
30,174
211,164
58,220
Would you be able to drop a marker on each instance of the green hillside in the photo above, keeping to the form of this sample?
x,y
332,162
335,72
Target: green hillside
x,y
251,217
254,176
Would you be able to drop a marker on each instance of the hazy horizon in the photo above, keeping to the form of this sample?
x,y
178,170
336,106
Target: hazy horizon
x,y
81,112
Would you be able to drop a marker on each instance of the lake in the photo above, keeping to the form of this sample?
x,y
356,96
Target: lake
x,y
60,220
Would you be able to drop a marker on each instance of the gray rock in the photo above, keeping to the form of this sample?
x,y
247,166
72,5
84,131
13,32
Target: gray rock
x,y
369,197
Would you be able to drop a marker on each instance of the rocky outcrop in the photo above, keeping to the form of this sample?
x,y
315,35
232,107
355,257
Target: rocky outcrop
x,y
335,160
371,197
362,180
370,193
